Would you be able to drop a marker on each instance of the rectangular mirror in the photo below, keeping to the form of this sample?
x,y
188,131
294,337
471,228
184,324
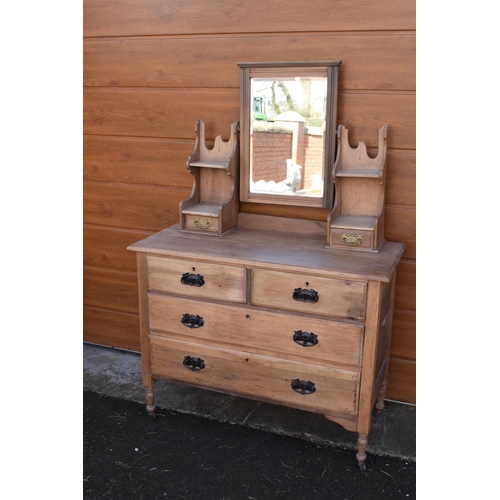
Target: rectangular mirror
x,y
287,132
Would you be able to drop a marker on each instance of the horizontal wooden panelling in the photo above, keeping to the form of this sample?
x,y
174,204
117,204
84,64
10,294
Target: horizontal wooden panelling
x,y
132,207
169,113
106,247
400,225
159,113
139,161
156,17
401,178
404,334
110,328
369,61
402,381
364,113
406,286
162,162
110,290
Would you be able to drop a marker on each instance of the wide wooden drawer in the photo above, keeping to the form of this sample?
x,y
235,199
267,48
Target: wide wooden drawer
x,y
197,279
309,294
289,336
318,389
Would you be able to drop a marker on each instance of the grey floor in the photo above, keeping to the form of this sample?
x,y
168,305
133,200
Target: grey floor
x,y
117,373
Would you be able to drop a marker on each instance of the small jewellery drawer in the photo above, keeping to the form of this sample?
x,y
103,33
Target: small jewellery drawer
x,y
208,224
344,238
284,335
309,294
197,279
313,388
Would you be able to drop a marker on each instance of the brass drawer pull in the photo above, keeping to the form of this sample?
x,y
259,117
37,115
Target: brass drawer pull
x,y
353,240
202,222
305,339
192,279
193,364
305,295
303,386
192,320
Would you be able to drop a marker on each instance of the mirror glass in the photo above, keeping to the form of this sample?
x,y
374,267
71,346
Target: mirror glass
x,y
287,132
287,128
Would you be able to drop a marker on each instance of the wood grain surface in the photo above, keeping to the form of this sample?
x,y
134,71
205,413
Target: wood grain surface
x,y
156,17
209,61
336,390
152,69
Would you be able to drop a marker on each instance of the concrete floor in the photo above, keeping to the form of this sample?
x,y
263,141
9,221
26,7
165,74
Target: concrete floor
x,y
117,373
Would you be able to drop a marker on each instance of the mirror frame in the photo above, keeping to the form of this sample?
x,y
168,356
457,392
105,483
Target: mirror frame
x,y
275,70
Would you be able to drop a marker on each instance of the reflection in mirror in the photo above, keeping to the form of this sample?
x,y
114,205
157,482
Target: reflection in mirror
x,y
287,132
287,127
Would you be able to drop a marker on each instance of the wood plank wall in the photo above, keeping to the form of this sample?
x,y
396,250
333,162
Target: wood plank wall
x,y
153,67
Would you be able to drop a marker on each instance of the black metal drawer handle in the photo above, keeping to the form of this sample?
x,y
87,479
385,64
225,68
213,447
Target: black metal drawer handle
x,y
192,320
192,279
305,295
305,339
303,386
193,363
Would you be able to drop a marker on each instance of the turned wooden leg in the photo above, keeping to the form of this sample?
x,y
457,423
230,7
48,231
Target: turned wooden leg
x,y
361,455
150,399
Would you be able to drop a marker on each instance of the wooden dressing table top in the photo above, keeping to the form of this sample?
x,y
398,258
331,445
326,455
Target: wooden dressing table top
x,y
278,243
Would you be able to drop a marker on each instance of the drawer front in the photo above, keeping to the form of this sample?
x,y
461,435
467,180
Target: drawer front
x,y
198,223
197,279
256,376
283,335
348,238
309,294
